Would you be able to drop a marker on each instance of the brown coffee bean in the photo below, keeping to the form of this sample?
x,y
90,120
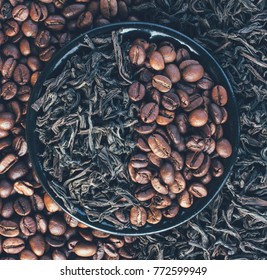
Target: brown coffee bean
x,y
185,199
20,145
170,101
47,53
9,228
38,12
6,188
156,61
165,117
22,206
159,186
141,143
194,160
34,63
182,54
141,42
136,91
159,146
168,52
144,192
9,90
55,241
224,148
29,28
219,95
58,3
154,216
110,250
11,50
8,68
132,172
195,143
161,83
42,39
3,38
55,22
122,216
28,226
138,216
161,201
192,73
109,8
203,169
205,83
143,176
13,245
7,162
182,123
117,242
7,209
154,159
73,10
198,117
198,190
100,234
195,101
20,13
57,225
17,171
167,173
84,20
206,179
50,204
86,234
85,249
24,46
137,55
171,211
146,76
224,115
5,143
149,112
217,168
41,223
172,72
179,183
27,255
24,188
139,161
70,220
34,78
11,28
37,202
218,132
21,74
145,129
184,98
37,244
216,113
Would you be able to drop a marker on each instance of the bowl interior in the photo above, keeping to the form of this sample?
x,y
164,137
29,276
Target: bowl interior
x,y
154,33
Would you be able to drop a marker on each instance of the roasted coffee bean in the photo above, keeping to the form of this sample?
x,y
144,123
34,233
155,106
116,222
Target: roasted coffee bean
x,y
184,98
174,133
28,226
146,75
29,28
24,46
216,113
3,38
33,63
9,90
58,3
17,171
219,95
155,95
182,54
149,112
143,176
7,209
198,190
85,249
160,201
100,234
182,123
206,179
138,216
165,117
20,145
218,132
50,204
204,167
58,255
198,117
195,143
24,188
127,252
34,78
129,239
84,20
38,12
167,173
136,91
195,101
20,13
194,160
141,42
154,215
5,143
185,199
141,143
8,68
7,162
205,131
117,242
47,53
6,188
86,234
11,50
27,255
156,61
224,115
57,225
11,28
171,211
37,244
110,250
22,206
13,245
109,8
137,55
145,129
192,72
9,228
154,159
55,22
70,220
139,161
63,39
205,82
122,216
159,146
73,10
55,241
168,53
42,39
132,172
224,148
159,186
21,74
217,167
37,202
176,160
179,183
170,101
161,83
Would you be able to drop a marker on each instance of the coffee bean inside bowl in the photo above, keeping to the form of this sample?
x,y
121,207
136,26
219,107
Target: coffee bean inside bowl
x,y
183,148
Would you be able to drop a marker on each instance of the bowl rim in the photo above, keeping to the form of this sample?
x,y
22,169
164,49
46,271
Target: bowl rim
x,y
141,26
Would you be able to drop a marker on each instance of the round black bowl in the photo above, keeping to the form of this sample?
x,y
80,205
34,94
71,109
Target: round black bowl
x,y
155,33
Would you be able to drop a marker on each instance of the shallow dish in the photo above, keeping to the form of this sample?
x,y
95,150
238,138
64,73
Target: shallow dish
x,y
155,33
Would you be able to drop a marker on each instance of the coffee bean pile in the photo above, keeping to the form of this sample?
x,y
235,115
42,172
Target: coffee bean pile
x,y
179,138
31,225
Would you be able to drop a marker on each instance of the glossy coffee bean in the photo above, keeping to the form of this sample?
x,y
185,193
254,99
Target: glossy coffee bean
x,y
206,179
219,95
172,72
224,148
24,46
204,167
21,74
8,67
73,10
109,8
137,55
19,144
11,50
139,161
194,160
167,173
149,112
55,22
6,188
34,63
136,91
84,20
11,28
198,190
47,53
159,146
141,143
217,167
143,176
13,245
138,216
20,13
165,117
28,226
24,188
154,216
38,12
9,90
85,249
185,199
170,101
42,39
198,117
193,73
154,159
17,171
184,98
7,162
37,244
57,225
205,83
9,228
171,211
216,113
22,206
168,53
159,186
195,101
161,201
156,61
29,28
182,54
27,255
37,202
179,183
195,143
161,83
100,234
